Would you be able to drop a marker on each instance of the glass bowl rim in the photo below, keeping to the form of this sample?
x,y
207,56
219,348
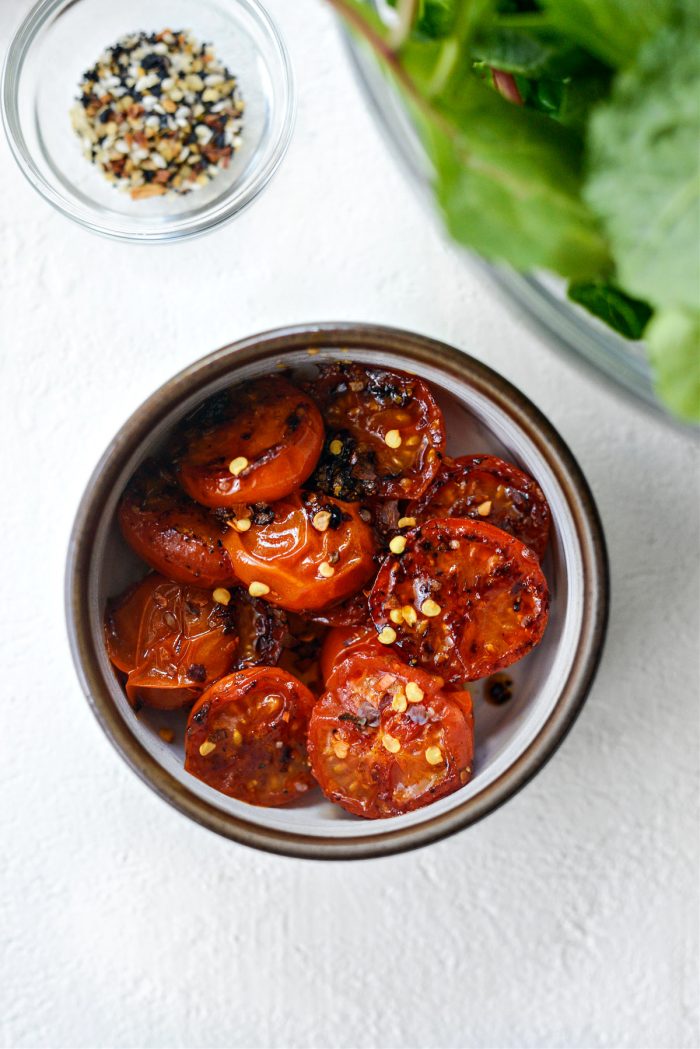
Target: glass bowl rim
x,y
185,227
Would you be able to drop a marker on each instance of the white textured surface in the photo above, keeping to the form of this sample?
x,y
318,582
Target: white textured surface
x,y
569,917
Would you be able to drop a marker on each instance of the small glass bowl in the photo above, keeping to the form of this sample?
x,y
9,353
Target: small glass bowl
x,y
59,39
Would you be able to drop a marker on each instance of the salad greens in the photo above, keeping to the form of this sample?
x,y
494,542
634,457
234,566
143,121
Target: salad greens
x,y
565,135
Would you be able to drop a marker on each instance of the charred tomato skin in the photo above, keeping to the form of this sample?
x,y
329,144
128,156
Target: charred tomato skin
x,y
385,433
271,430
487,488
259,627
170,532
301,651
378,754
306,567
473,599
246,737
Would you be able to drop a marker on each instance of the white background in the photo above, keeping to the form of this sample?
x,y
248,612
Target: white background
x,y
569,917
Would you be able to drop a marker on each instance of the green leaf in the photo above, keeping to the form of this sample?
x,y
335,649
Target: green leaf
x,y
619,311
528,53
436,18
644,178
508,180
674,350
613,30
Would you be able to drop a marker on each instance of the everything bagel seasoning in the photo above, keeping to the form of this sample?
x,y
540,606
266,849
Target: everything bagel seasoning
x,y
158,114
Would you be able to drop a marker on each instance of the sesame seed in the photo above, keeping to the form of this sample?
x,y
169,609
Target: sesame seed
x,y
387,636
207,748
340,748
237,737
241,524
484,509
430,608
221,595
393,439
414,693
335,447
238,465
143,77
321,520
433,756
407,522
410,615
398,544
399,702
396,615
391,743
166,734
258,589
326,570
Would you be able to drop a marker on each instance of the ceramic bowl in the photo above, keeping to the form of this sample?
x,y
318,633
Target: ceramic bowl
x,y
484,413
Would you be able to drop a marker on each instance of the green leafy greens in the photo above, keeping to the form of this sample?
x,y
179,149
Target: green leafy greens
x,y
565,135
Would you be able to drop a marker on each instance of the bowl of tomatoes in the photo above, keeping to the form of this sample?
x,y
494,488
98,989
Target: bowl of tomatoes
x,y
337,591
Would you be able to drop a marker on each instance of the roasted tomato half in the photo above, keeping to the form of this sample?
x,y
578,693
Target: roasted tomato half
x,y
123,621
246,737
486,488
186,641
343,641
385,433
385,738
173,534
464,599
254,443
315,552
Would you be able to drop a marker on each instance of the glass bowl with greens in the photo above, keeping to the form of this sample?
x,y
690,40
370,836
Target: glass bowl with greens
x,y
559,139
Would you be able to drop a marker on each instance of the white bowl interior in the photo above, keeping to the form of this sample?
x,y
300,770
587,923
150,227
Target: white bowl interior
x,y
72,39
474,424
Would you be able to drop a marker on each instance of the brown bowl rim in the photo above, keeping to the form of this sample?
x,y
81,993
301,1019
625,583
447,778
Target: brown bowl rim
x,y
419,348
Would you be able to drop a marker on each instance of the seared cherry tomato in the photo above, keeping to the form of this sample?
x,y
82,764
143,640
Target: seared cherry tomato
x,y
385,739
464,599
385,433
255,443
353,612
246,737
342,641
487,488
186,641
173,534
316,552
301,651
123,620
